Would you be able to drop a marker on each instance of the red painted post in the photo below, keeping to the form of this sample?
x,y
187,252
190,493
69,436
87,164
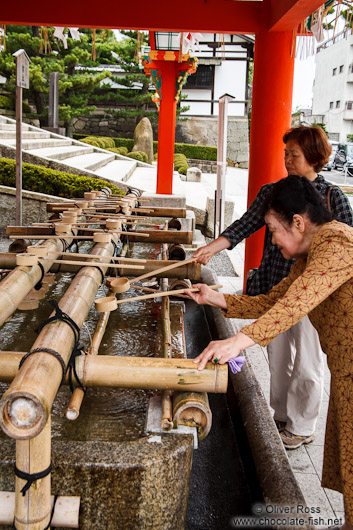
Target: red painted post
x,y
270,118
166,127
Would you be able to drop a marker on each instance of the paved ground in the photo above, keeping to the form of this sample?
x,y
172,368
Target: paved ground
x,y
306,461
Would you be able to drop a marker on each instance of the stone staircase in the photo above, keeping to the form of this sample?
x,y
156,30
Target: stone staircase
x,y
64,154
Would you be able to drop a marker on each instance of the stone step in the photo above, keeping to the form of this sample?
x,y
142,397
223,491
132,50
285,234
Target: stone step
x,y
92,161
12,126
39,143
117,170
25,134
60,153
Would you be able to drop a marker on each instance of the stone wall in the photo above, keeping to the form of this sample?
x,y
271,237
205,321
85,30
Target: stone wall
x,y
104,124
194,130
206,166
34,207
204,131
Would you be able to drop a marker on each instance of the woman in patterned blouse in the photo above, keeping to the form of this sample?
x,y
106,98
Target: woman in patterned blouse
x,y
296,372
320,285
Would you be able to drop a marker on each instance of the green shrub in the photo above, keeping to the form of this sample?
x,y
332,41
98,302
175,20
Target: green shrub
x,y
124,142
143,155
136,155
9,104
199,152
183,170
104,142
6,103
122,150
180,163
44,180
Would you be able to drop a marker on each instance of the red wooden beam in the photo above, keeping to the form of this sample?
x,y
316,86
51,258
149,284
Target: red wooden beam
x,y
284,15
207,16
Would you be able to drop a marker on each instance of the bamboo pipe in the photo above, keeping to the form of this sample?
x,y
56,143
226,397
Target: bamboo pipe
x,y
167,408
113,231
193,409
163,269
30,386
117,216
191,271
16,285
164,293
89,256
149,290
151,373
135,372
94,263
157,211
73,410
33,511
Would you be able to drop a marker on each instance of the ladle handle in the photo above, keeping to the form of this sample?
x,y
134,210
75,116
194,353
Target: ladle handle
x,y
162,269
164,293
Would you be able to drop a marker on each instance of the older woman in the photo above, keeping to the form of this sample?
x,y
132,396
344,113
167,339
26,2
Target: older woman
x,y
296,371
320,285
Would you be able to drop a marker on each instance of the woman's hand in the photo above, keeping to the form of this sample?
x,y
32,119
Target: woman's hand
x,y
220,351
203,255
207,296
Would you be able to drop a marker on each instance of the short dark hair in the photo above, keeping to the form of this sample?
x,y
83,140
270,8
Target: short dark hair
x,y
297,195
313,142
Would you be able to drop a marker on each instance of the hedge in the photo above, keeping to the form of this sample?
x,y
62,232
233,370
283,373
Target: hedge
x,y
180,163
49,181
198,152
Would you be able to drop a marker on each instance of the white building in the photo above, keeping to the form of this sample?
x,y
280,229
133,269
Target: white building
x,y
333,86
223,67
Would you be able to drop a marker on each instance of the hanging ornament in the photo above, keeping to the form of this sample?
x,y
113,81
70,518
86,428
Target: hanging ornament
x,y
138,45
44,40
93,53
59,34
2,37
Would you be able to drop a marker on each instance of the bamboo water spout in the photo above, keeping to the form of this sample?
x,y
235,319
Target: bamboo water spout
x,y
151,373
30,389
18,283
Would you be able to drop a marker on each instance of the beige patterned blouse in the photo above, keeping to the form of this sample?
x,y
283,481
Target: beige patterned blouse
x,y
322,287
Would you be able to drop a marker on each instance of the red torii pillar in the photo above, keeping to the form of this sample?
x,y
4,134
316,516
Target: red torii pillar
x,y
169,70
270,118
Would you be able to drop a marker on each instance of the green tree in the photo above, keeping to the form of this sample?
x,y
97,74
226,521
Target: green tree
x,y
75,84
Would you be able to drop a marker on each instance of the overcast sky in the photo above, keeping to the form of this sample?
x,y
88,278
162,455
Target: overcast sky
x,y
304,72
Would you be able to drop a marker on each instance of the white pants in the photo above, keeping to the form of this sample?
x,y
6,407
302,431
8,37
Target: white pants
x,y
297,377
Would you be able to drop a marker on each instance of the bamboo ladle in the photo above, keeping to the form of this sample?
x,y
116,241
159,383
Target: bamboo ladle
x,y
121,285
164,293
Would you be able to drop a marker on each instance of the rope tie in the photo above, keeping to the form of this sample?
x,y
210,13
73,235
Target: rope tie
x,y
31,477
39,284
51,352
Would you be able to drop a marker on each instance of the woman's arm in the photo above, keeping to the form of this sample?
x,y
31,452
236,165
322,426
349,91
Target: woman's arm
x,y
204,254
207,296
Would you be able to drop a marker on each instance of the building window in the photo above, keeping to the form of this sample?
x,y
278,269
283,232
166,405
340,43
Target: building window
x,y
341,69
334,71
331,104
203,78
349,105
338,104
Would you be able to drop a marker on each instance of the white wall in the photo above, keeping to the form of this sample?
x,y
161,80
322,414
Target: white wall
x,y
332,88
